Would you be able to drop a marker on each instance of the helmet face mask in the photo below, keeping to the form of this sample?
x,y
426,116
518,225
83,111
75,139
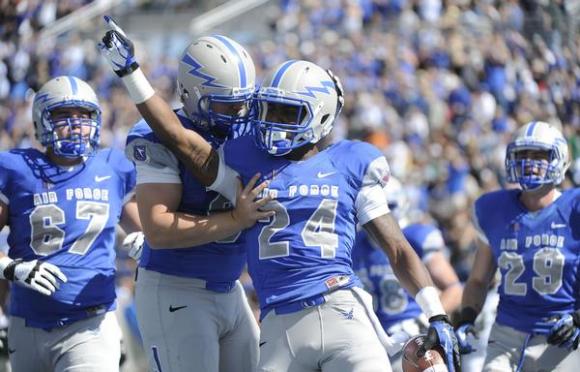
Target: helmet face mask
x,y
223,113
296,106
283,122
73,135
216,80
537,156
67,117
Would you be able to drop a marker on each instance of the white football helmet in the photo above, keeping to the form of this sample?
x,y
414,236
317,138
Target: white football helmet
x,y
397,200
216,69
306,96
60,92
533,173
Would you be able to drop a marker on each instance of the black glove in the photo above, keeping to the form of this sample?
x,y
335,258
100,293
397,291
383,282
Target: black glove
x,y
566,331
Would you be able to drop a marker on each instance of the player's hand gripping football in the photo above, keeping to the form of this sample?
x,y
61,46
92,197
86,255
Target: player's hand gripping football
x,y
39,276
441,333
248,208
118,49
566,331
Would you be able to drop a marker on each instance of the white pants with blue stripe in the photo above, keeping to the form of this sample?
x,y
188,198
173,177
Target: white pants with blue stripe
x,y
88,345
187,328
337,336
506,345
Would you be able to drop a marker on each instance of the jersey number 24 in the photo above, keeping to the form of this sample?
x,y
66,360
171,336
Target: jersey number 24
x,y
318,231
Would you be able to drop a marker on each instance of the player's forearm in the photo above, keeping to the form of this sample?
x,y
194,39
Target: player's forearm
x,y
180,230
451,297
192,149
407,266
474,294
409,269
414,277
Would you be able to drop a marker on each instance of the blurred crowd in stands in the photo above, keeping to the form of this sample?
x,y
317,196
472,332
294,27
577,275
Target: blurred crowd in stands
x,y
438,85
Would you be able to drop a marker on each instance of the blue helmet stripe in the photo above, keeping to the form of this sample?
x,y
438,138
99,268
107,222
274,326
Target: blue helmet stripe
x,y
531,128
241,66
73,84
281,72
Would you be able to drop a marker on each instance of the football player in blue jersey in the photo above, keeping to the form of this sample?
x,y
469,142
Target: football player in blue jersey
x,y
62,206
192,311
532,235
398,312
314,314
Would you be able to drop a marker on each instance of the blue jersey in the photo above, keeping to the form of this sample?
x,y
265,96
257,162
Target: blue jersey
x,y
305,249
218,263
392,303
538,254
66,217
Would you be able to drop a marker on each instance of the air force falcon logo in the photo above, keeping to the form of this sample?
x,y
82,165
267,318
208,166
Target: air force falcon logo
x,y
140,152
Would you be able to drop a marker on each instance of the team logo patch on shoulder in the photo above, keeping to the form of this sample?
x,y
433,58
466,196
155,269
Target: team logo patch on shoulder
x,y
140,152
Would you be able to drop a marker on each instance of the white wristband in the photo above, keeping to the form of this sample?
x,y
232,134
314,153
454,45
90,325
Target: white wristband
x,y
428,299
4,262
138,86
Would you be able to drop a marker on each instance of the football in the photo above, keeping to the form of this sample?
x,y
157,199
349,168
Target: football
x,y
432,361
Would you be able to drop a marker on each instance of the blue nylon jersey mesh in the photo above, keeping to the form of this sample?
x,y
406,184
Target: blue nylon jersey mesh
x,y
48,199
286,259
214,262
538,255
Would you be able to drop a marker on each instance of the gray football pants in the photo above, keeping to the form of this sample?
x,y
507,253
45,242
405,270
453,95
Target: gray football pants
x,y
337,336
187,328
88,345
504,352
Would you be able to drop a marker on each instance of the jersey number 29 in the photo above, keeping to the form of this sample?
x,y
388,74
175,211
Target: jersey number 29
x,y
548,266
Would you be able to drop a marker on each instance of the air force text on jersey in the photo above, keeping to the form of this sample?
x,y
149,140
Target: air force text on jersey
x,y
78,193
304,190
537,240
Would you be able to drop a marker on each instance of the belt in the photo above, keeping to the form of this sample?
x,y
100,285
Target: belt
x,y
220,287
295,306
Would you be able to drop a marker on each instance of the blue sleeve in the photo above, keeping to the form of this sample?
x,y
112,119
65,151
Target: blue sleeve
x,y
5,174
141,130
425,239
362,161
479,220
242,155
